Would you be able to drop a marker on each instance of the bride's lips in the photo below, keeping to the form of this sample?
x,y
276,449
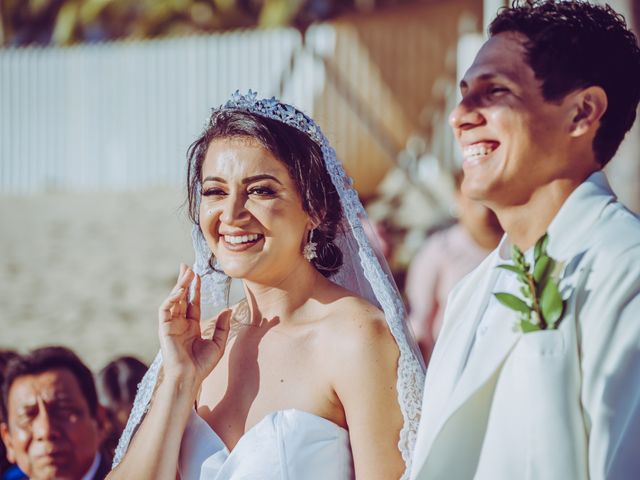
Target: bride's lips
x,y
240,241
476,152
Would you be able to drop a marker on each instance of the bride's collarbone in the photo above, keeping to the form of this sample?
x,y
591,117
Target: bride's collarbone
x,y
253,365
260,375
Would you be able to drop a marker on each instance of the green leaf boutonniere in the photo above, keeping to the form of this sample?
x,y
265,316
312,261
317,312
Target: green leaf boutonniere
x,y
542,305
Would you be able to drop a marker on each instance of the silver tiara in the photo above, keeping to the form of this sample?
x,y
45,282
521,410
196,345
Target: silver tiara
x,y
272,108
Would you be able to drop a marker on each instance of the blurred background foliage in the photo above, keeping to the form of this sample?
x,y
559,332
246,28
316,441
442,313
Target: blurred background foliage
x,y
66,22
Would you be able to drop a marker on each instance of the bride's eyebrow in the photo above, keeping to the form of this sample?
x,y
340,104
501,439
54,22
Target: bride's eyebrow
x,y
245,181
257,178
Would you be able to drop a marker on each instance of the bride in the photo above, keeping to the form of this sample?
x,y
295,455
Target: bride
x,y
312,375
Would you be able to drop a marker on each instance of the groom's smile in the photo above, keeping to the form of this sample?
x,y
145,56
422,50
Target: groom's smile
x,y
511,137
476,152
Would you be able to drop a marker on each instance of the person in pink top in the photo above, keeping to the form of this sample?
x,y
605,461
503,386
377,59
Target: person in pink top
x,y
442,261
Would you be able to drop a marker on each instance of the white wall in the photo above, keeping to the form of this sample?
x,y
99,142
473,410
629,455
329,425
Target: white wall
x,y
122,115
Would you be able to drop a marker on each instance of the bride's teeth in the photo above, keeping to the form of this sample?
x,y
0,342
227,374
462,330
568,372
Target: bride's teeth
x,y
241,238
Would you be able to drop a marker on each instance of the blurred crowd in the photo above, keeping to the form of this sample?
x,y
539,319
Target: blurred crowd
x,y
449,249
445,257
57,418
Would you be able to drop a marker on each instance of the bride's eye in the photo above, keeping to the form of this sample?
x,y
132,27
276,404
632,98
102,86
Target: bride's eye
x,y
262,191
213,192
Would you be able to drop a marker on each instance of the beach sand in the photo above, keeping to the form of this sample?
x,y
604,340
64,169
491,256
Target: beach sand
x,y
89,270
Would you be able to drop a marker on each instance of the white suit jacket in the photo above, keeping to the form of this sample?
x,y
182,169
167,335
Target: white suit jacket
x,y
561,404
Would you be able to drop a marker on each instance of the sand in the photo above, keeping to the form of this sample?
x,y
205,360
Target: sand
x,y
88,270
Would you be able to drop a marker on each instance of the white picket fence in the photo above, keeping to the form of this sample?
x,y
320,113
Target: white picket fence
x,y
122,115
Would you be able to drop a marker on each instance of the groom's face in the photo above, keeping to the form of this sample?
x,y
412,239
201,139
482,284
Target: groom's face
x,y
512,139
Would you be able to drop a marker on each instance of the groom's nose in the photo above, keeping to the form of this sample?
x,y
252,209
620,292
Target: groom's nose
x,y
466,115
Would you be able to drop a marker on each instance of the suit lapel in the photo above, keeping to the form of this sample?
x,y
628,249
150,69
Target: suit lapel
x,y
447,365
498,342
489,354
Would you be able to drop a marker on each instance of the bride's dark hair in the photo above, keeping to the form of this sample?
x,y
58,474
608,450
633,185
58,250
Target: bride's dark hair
x,y
305,164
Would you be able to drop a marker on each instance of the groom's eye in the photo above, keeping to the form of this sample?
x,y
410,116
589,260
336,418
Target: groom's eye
x,y
498,90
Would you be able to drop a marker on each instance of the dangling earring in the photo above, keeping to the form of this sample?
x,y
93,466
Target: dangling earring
x,y
309,250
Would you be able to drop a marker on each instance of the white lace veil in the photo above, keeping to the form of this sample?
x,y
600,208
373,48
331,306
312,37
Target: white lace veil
x,y
364,271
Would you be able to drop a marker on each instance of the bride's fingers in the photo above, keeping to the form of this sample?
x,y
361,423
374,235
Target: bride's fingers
x,y
175,305
180,307
221,332
193,306
181,270
185,277
165,312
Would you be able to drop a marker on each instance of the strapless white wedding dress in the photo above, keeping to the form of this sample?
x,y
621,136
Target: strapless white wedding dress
x,y
285,445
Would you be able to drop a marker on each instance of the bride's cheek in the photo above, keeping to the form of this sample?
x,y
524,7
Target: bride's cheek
x,y
209,216
264,212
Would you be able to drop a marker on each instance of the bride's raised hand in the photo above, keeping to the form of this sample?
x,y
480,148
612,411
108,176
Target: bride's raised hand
x,y
186,355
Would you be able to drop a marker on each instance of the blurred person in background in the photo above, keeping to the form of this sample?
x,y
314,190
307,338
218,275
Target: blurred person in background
x,y
8,470
51,421
117,384
444,259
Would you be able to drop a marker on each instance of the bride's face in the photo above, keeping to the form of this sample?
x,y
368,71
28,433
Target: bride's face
x,y
250,212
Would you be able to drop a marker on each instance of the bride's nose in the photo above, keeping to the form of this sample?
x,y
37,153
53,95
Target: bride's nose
x,y
234,209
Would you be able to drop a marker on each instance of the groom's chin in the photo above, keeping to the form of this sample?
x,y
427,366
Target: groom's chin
x,y
477,188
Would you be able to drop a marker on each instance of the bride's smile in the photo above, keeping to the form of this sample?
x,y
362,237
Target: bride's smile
x,y
250,212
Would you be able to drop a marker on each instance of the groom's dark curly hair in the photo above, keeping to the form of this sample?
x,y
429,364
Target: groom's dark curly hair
x,y
575,44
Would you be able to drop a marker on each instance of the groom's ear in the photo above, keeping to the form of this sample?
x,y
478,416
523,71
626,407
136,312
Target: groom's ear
x,y
587,108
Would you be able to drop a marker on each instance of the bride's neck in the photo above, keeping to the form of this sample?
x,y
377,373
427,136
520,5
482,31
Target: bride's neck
x,y
284,298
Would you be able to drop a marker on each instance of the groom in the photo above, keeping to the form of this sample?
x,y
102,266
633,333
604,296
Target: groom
x,y
544,107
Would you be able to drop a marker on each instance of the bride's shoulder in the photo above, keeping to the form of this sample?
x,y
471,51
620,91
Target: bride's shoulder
x,y
356,324
357,347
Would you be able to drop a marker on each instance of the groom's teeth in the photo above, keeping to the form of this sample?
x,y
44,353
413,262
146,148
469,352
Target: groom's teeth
x,y
241,238
477,150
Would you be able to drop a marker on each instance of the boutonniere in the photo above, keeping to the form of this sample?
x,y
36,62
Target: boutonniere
x,y
542,305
